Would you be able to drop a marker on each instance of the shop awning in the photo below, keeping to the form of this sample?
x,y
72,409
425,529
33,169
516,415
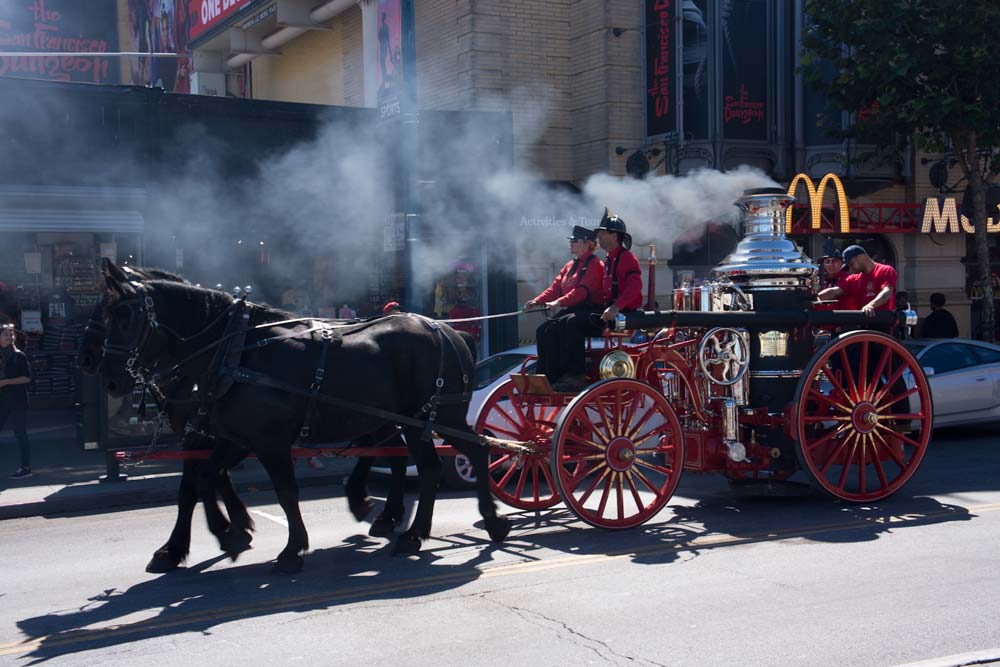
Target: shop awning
x,y
61,220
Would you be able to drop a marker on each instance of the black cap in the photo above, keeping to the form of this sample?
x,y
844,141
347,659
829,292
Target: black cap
x,y
583,234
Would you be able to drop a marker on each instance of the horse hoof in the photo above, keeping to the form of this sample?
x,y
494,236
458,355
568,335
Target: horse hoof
x,y
406,545
288,565
498,527
235,543
382,526
360,508
162,562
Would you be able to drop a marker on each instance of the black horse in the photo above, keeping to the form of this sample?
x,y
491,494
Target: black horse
x,y
403,365
207,483
198,480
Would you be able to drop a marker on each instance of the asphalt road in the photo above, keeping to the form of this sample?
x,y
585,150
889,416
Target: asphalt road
x,y
716,579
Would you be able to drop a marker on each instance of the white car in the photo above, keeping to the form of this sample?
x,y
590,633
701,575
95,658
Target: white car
x,y
964,379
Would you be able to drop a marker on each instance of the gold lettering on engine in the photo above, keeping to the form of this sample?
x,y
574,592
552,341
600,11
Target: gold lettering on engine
x,y
773,343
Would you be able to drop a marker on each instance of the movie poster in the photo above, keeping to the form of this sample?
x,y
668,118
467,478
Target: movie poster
x,y
59,26
396,70
660,69
744,70
697,68
158,26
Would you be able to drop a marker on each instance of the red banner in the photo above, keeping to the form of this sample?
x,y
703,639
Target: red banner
x,y
206,14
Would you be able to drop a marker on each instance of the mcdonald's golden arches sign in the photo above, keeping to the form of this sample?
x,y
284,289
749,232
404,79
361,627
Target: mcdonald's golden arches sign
x,y
816,201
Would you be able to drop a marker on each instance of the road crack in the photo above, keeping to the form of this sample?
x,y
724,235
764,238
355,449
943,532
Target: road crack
x,y
562,630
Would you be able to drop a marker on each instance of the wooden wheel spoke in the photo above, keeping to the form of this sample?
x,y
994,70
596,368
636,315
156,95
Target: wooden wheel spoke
x,y
828,437
638,441
547,475
652,466
534,480
834,381
897,374
639,424
507,475
638,473
521,479
608,481
620,495
593,485
890,450
863,371
901,436
879,368
604,419
635,492
827,418
877,449
823,398
498,431
849,373
846,468
835,455
897,399
618,412
573,437
499,461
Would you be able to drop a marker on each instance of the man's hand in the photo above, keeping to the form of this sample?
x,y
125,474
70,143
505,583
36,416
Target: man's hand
x,y
551,305
869,310
610,313
530,304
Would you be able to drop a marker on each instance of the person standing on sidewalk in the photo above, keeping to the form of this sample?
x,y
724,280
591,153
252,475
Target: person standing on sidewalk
x,y
15,374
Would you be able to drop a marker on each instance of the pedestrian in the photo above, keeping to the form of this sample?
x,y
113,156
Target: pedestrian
x,y
940,323
577,291
346,313
871,285
15,374
622,274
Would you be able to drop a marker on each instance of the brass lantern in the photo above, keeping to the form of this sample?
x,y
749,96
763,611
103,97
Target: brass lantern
x,y
616,364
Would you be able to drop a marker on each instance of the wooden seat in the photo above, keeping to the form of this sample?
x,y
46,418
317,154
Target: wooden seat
x,y
530,383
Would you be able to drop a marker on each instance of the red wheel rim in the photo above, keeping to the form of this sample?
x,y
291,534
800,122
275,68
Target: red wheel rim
x,y
523,482
863,417
617,454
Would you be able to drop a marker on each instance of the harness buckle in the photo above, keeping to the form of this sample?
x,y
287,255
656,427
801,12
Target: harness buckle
x,y
439,383
304,432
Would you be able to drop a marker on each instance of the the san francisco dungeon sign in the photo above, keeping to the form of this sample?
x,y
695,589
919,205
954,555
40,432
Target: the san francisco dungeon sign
x,y
84,28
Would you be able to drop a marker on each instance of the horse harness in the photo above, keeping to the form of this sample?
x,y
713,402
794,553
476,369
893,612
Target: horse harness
x,y
225,369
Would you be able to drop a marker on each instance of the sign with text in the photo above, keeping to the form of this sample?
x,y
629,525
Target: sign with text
x,y
941,215
203,15
744,70
59,26
397,58
660,69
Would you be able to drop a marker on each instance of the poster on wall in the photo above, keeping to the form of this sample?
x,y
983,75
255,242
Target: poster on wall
x,y
59,26
158,26
697,61
744,70
659,69
397,55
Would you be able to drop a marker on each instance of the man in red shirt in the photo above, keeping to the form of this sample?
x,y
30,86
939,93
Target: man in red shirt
x,y
871,285
577,290
622,274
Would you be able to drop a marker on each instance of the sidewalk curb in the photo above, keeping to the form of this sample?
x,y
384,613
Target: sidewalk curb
x,y
158,490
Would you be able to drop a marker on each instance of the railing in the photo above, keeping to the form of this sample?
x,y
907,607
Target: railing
x,y
864,218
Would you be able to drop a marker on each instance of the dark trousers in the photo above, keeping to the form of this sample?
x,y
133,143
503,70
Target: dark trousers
x,y
562,341
16,413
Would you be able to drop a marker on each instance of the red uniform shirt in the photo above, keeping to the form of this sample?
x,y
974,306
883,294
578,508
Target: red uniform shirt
x,y
622,280
579,281
862,287
464,311
839,279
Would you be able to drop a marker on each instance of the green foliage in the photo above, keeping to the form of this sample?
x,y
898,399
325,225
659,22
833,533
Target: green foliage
x,y
925,68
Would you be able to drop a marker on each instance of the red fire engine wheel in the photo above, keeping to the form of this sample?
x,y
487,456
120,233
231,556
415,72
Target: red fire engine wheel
x,y
863,417
617,454
521,481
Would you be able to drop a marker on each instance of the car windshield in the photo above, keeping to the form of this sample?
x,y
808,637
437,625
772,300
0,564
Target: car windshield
x,y
913,347
493,367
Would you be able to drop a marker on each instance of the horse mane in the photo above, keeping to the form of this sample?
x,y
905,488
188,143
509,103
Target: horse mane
x,y
149,273
206,302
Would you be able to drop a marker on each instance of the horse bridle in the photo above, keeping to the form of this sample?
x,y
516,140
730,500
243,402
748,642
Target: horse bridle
x,y
132,351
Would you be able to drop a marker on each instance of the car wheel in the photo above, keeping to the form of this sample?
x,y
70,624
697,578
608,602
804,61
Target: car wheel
x,y
458,473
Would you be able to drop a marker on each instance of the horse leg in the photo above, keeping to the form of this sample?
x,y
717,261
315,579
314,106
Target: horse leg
x,y
235,536
358,500
172,554
497,526
391,516
429,470
240,534
282,473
